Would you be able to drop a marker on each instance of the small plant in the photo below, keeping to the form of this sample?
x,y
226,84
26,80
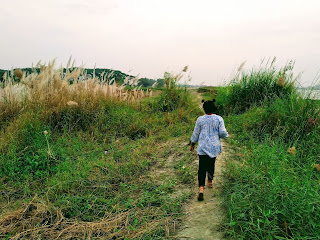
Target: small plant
x,y
173,96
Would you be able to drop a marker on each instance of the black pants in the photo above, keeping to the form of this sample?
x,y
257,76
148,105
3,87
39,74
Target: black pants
x,y
206,165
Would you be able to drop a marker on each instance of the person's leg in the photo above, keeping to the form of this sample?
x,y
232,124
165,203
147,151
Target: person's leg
x,y
202,170
210,170
201,176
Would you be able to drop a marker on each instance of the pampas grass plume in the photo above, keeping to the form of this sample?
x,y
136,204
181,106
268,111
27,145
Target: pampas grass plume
x,y
51,88
185,69
72,103
18,73
281,81
5,76
241,66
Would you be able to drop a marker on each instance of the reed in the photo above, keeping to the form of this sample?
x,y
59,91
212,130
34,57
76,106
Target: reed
x,y
52,89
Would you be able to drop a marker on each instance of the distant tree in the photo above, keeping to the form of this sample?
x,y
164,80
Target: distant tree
x,y
1,74
146,82
160,82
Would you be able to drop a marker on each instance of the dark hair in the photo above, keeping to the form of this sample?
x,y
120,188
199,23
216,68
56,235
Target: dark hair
x,y
209,106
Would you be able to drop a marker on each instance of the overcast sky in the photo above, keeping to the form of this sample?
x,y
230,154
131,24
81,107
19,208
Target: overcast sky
x,y
149,37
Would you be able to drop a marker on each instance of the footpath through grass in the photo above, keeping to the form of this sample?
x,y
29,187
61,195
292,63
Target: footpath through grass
x,y
273,190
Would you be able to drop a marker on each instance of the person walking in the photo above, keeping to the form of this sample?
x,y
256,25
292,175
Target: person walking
x,y
208,131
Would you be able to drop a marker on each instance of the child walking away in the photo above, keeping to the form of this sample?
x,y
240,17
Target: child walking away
x,y
207,132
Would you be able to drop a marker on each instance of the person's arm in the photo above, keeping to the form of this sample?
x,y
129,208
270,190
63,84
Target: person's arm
x,y
192,146
195,135
222,129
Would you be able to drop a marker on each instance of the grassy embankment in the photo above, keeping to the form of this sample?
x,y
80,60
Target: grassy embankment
x,y
80,160
273,190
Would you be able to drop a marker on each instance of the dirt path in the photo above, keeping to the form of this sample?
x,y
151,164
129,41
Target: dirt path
x,y
203,219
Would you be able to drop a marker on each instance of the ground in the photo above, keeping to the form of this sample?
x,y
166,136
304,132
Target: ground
x,y
203,219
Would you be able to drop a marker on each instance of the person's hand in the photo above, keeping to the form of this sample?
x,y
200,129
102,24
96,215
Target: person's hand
x,y
191,147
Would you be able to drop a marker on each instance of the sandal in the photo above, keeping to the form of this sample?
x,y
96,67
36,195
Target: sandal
x,y
210,184
200,194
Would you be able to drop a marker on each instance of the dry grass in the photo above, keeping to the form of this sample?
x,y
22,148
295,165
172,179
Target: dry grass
x,y
37,220
54,89
172,79
281,81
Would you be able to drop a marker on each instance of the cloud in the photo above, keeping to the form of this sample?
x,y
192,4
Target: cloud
x,y
151,37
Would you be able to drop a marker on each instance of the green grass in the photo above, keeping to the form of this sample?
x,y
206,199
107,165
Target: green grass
x,y
53,164
273,195
270,193
256,87
55,175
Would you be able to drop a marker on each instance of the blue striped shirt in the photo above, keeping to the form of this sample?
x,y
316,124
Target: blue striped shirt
x,y
207,132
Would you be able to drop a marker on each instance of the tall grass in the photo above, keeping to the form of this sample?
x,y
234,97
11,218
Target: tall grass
x,y
273,194
257,86
273,188
54,90
76,159
173,96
